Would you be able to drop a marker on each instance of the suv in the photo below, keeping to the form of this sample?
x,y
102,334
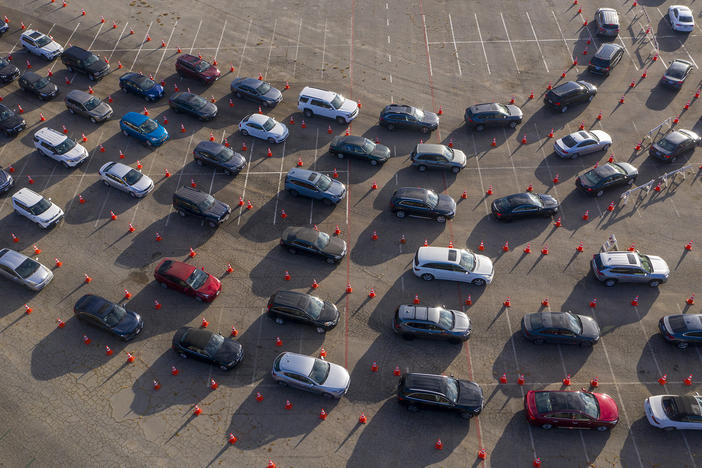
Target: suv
x,y
190,66
397,116
211,153
426,155
605,59
6,181
440,392
40,44
493,114
82,61
422,203
445,263
41,86
58,146
570,92
194,202
629,267
8,72
314,185
304,308
607,21
313,101
10,123
312,241
412,321
36,208
85,104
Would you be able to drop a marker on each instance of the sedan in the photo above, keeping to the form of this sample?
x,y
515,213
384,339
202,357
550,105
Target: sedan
x,y
113,318
10,123
187,279
582,142
396,116
522,205
595,181
669,412
412,321
143,129
560,328
205,345
263,127
309,240
426,155
193,105
419,202
431,391
676,74
141,85
674,144
359,147
573,410
303,308
23,270
258,91
8,72
494,114
210,153
566,94
681,330
40,86
124,178
681,18
311,374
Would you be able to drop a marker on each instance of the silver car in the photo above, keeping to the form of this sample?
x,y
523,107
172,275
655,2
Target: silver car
x,y
431,155
582,142
629,267
23,270
311,374
125,178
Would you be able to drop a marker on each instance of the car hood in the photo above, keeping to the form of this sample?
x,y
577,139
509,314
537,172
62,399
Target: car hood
x,y
156,90
470,394
237,161
446,204
381,152
158,133
515,111
660,267
52,47
329,313
8,69
210,287
590,327
97,67
603,136
483,265
279,130
461,322
4,177
336,246
273,94
591,87
548,200
42,274
219,209
129,323
430,118
459,157
608,408
49,89
101,110
338,377
12,122
349,106
208,109
52,212
336,188
76,152
212,71
142,184
228,352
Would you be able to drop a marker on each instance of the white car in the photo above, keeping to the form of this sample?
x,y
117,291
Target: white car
x,y
36,208
40,44
445,263
313,101
123,177
582,142
58,146
681,18
23,270
670,412
263,127
311,374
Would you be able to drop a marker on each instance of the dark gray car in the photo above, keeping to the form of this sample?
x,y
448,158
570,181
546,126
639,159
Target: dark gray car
x,y
88,105
412,321
210,153
560,328
429,155
258,91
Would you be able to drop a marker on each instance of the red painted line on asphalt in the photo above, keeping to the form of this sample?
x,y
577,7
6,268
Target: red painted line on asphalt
x,y
348,194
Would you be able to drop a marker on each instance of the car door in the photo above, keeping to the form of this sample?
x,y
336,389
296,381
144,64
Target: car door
x,y
250,93
457,273
296,380
414,208
559,419
693,336
188,70
587,146
582,420
115,181
418,328
9,273
255,130
422,399
523,211
637,275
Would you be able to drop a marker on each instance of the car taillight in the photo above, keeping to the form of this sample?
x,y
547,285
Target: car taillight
x,y
602,29
607,68
564,151
666,156
531,417
470,120
589,189
498,214
558,103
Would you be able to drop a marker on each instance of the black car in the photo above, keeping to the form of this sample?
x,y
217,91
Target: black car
x,y
192,104
677,72
674,144
41,86
205,345
560,328
595,181
301,307
398,116
422,203
82,61
682,329
6,181
258,91
8,72
522,205
141,85
565,95
309,240
429,391
359,147
189,201
111,317
492,114
210,153
10,123
606,58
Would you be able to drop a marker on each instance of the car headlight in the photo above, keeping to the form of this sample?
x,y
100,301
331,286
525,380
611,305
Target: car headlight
x,y
328,324
476,410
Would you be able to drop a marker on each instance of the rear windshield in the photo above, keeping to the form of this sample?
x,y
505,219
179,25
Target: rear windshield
x,y
610,26
685,19
599,62
569,141
677,323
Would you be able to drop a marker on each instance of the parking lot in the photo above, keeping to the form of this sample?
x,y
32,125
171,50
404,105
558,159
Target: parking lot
x,y
63,400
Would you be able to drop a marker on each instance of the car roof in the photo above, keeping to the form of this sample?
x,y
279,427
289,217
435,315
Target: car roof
x,y
317,93
79,95
209,146
679,64
431,148
298,363
135,117
414,312
426,382
607,50
610,15
119,169
32,76
691,321
566,87
553,319
580,135
398,108
517,199
249,81
290,298
93,304
50,135
682,8
191,193
300,233
437,254
189,58
197,337
416,193
687,405
302,174
486,107
174,267
620,258
77,52
352,139
33,33
27,196
605,170
11,258
676,137
561,400
257,118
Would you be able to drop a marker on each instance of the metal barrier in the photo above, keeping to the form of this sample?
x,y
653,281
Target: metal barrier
x,y
609,244
660,182
665,126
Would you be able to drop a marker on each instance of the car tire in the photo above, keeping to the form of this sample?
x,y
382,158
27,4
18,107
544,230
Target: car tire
x,y
91,77
602,428
427,277
148,143
244,132
8,133
413,408
181,213
340,155
546,426
590,98
330,260
441,219
682,345
292,250
586,344
407,336
610,282
65,164
564,108
198,162
654,283
513,124
341,121
321,330
92,119
421,168
599,193
390,127
223,367
183,355
271,140
455,169
212,224
132,194
238,94
373,162
279,321
293,193
479,128
227,172
71,111
425,130
308,113
605,148
631,181
668,429
466,414
150,99
400,214
124,89
478,282
106,183
124,132
327,202
538,341
198,299
69,69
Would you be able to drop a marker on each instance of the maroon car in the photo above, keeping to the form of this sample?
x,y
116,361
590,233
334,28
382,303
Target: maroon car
x,y
191,66
572,410
187,279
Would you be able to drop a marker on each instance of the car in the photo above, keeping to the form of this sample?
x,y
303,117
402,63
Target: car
x,y
607,21
264,128
59,147
10,123
359,147
126,179
569,409
87,105
41,86
412,321
681,330
605,59
670,412
674,144
564,95
614,267
310,374
36,208
40,44
211,153
493,114
681,18
23,270
582,142
83,61
208,346
396,116
259,91
6,181
418,391
144,129
141,85
601,178
446,263
420,202
308,240
190,66
315,185
187,279
4,26
193,105
560,328
676,74
303,308
109,316
189,201
313,101
432,155
523,205
8,72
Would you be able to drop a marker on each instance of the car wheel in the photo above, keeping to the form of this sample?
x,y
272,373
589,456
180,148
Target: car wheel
x,y
538,341
308,113
610,282
183,355
132,194
198,162
586,344
124,132
223,367
293,193
654,283
8,133
279,321
71,111
479,282
124,90
425,130
421,168
373,162
441,219
181,213
602,428
228,172
455,169
466,414
150,99
479,128
330,260
198,299
340,121
238,94
271,140
282,384
92,119
147,143
546,426
589,99
243,132
390,127
340,155
599,193
91,77
631,181
513,124
292,251
212,224
400,214
321,330
106,183
65,164
564,108
427,277
682,345
412,408
605,147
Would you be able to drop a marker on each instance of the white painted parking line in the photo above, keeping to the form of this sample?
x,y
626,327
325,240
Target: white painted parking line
x,y
119,38
688,54
480,176
96,36
514,57
195,38
455,47
324,47
140,46
511,160
85,171
280,180
243,50
221,35
164,49
627,53
297,47
544,39
270,51
480,35
548,166
537,41
65,45
258,341
102,208
426,43
246,181
180,178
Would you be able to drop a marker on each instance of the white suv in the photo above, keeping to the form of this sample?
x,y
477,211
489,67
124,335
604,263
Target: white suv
x,y
58,146
313,101
36,208
450,264
40,44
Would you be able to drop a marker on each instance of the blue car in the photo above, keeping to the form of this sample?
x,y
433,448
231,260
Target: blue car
x,y
143,129
141,86
314,185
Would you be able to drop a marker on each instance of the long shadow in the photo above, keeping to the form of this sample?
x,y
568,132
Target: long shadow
x,y
675,363
494,233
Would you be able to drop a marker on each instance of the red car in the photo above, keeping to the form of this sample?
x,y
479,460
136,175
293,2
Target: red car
x,y
187,279
571,409
190,66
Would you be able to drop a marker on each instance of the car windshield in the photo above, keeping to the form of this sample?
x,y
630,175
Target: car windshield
x,y
264,88
43,40
92,103
148,126
685,19
268,125
368,146
323,183
600,62
322,240
320,371
40,207
646,263
3,62
144,83
446,319
535,200
65,146
91,60
133,176
451,389
115,315
27,268
225,155
42,83
196,279
666,145
467,260
5,114
337,101
569,141
213,345
590,406
417,113
502,108
207,203
573,323
196,102
432,199
314,307
202,66
676,71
